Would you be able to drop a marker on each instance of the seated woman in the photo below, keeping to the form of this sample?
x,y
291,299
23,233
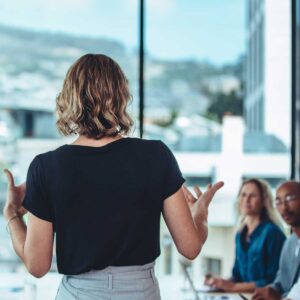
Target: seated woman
x,y
258,241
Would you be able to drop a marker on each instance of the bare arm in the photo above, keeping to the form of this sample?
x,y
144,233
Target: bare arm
x,y
244,287
32,243
230,286
186,218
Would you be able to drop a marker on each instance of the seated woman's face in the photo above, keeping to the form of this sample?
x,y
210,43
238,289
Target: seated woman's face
x,y
251,203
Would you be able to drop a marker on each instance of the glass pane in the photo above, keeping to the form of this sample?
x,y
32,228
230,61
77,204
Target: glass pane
x,y
297,90
217,89
38,43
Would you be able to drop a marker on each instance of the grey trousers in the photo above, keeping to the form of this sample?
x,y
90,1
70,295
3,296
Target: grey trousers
x,y
111,283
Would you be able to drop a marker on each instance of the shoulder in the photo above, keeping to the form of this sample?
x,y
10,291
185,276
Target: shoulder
x,y
289,247
271,227
45,158
143,142
292,240
51,153
271,230
149,146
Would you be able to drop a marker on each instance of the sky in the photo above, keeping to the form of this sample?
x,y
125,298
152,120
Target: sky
x,y
211,30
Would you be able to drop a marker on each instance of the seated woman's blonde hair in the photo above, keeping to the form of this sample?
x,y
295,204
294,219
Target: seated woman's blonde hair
x,y
94,99
268,212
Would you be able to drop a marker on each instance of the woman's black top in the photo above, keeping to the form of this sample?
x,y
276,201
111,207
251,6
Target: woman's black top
x,y
104,202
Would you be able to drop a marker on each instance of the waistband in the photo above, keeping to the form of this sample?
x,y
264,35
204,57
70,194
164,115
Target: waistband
x,y
128,272
111,278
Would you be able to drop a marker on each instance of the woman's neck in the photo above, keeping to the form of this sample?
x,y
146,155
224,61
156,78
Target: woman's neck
x,y
83,140
252,222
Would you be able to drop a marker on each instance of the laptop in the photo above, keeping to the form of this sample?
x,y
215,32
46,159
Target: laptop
x,y
205,289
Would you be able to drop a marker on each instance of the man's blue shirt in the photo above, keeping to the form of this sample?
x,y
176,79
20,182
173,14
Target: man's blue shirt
x,y
257,258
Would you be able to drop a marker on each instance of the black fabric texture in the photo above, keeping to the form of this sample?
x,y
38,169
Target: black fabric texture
x,y
105,203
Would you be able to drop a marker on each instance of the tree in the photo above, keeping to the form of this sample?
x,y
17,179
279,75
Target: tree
x,y
222,103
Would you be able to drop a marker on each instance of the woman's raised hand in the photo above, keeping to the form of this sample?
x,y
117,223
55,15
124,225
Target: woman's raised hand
x,y
199,204
15,197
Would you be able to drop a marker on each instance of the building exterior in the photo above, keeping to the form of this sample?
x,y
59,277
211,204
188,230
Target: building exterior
x,y
268,67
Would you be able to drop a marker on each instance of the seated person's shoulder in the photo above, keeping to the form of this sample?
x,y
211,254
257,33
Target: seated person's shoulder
x,y
270,226
273,229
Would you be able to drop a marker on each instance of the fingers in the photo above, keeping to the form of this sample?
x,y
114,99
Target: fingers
x,y
214,282
207,279
188,195
210,281
10,178
257,297
214,188
207,195
211,190
22,211
197,191
258,294
218,185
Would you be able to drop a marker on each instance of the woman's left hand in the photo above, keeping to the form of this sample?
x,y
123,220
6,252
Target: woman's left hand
x,y
15,197
199,206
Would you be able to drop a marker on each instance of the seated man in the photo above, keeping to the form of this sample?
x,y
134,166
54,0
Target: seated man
x,y
288,204
294,293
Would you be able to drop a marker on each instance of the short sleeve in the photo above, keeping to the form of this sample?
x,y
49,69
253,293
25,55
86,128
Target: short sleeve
x,y
173,178
36,200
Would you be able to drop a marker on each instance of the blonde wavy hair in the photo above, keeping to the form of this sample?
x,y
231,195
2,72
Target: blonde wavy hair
x,y
94,99
268,212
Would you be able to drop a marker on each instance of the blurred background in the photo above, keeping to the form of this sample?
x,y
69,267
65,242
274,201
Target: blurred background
x,y
217,81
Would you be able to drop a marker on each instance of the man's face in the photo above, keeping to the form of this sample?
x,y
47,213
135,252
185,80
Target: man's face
x,y
288,203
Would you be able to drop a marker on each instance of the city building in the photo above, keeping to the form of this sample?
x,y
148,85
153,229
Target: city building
x,y
268,68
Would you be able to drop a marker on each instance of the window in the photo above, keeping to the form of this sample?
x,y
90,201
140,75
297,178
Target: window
x,y
192,97
296,88
211,266
56,33
217,110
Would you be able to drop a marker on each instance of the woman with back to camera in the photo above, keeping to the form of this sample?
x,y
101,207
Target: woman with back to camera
x,y
258,242
103,195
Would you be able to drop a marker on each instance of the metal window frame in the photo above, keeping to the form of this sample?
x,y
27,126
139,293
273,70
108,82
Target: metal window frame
x,y
141,67
295,119
295,116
